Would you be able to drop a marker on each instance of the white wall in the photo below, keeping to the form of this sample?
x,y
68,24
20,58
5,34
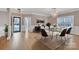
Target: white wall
x,y
75,30
3,21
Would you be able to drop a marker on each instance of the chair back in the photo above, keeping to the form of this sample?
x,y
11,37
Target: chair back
x,y
43,33
69,30
63,32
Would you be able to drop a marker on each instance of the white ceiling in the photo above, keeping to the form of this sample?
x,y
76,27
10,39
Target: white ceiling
x,y
42,11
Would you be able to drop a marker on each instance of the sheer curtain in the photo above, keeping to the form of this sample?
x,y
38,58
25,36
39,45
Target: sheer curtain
x,y
27,24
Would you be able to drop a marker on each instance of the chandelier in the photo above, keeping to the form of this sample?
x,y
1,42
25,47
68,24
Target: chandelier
x,y
54,12
20,11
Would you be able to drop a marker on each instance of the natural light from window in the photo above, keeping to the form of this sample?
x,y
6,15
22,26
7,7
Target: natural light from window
x,y
65,21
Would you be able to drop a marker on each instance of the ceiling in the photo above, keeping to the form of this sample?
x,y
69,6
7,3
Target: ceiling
x,y
41,11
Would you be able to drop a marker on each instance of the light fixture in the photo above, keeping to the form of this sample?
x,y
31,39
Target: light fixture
x,y
54,12
19,10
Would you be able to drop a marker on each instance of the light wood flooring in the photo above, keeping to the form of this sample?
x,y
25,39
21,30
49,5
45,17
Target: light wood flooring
x,y
32,41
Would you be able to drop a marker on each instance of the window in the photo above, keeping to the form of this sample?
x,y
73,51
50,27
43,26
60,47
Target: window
x,y
65,21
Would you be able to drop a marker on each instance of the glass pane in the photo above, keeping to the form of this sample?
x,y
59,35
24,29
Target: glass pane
x,y
16,20
61,21
16,27
65,21
68,21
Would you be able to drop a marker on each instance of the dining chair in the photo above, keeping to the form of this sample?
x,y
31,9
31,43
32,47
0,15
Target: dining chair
x,y
62,34
37,29
44,34
68,31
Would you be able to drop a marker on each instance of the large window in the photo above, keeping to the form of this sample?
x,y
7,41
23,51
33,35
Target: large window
x,y
65,21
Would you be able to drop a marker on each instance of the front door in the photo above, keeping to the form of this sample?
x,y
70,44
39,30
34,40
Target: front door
x,y
16,24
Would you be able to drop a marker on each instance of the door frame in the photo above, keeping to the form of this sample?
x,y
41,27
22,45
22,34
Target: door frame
x,y
19,24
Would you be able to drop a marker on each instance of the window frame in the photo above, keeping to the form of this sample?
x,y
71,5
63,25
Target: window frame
x,y
72,24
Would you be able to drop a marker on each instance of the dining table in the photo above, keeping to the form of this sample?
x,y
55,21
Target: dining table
x,y
54,31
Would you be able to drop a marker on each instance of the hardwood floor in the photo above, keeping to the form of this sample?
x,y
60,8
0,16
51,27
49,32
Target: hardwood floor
x,y
32,41
22,41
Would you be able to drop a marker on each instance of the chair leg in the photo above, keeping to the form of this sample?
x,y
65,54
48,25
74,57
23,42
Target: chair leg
x,y
65,38
56,37
51,37
41,38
